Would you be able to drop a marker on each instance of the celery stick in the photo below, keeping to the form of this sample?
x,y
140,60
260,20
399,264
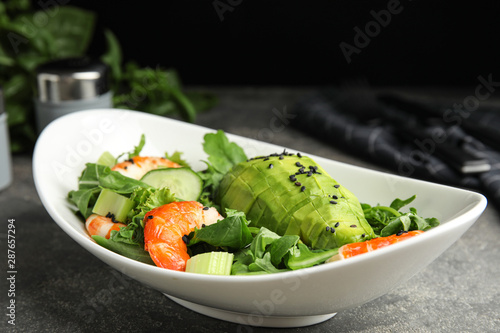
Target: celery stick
x,y
215,263
110,202
106,159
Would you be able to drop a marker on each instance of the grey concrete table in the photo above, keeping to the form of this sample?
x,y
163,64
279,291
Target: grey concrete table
x,y
60,287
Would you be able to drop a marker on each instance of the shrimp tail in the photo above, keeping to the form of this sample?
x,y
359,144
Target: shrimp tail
x,y
166,226
354,249
102,225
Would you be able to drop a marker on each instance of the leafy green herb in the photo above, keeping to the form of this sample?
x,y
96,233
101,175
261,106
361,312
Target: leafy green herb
x,y
25,44
222,156
389,220
177,158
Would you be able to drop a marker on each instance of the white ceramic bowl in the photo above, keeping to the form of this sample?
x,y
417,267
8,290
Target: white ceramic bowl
x,y
288,299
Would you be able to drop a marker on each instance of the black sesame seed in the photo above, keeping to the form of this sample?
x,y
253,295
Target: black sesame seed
x,y
327,228
299,155
206,208
336,186
266,159
298,164
363,235
271,166
151,217
293,178
334,196
309,174
301,170
298,183
203,225
353,226
303,188
333,202
332,230
281,157
337,224
185,239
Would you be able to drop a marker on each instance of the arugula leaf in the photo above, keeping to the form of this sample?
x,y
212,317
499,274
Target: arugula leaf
x,y
302,257
271,253
231,233
137,149
389,220
264,238
264,264
279,248
95,177
397,203
242,260
134,252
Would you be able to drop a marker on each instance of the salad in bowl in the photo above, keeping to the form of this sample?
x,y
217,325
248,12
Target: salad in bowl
x,y
235,228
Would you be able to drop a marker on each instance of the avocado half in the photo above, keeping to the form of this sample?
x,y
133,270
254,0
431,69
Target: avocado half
x,y
291,194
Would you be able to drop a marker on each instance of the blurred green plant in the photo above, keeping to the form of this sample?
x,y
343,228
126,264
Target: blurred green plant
x,y
30,37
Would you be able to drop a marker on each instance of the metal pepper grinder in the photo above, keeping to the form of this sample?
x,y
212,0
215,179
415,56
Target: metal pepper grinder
x,y
5,156
70,85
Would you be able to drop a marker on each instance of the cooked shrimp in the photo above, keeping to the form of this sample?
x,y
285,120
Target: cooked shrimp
x,y
102,225
140,165
166,226
353,249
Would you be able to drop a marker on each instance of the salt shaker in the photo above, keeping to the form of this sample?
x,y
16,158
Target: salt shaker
x,y
70,85
5,156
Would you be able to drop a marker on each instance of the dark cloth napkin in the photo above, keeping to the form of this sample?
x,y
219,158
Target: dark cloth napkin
x,y
424,139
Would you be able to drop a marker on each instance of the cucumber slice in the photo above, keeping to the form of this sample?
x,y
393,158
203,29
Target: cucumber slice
x,y
184,183
214,263
110,202
106,159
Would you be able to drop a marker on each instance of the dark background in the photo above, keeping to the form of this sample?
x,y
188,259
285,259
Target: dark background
x,y
297,42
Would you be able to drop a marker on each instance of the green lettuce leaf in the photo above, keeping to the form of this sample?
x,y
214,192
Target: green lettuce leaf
x,y
145,199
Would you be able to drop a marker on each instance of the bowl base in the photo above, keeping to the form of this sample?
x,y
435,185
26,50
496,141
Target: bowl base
x,y
257,320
